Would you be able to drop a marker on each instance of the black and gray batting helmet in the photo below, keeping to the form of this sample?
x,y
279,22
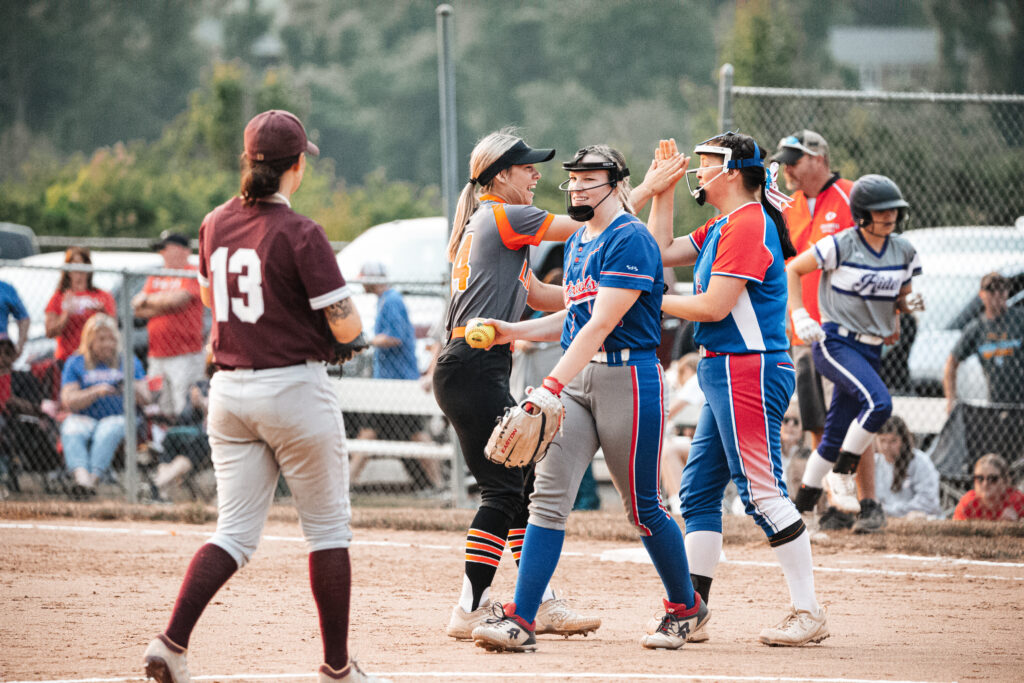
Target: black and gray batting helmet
x,y
876,193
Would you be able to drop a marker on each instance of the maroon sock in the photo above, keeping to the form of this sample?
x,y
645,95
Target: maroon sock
x,y
330,575
210,569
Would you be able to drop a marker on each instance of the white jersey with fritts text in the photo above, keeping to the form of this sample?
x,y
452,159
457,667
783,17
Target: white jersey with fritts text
x,y
859,286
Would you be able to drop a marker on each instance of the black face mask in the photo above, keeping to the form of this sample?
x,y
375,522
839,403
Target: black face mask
x,y
582,214
700,196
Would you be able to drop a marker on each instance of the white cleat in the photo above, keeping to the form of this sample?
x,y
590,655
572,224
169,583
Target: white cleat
x,y
842,489
555,616
462,622
798,628
166,662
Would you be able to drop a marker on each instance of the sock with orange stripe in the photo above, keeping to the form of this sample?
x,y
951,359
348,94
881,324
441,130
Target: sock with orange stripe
x,y
485,542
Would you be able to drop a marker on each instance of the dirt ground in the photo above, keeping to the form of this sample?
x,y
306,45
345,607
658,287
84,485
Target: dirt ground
x,y
81,597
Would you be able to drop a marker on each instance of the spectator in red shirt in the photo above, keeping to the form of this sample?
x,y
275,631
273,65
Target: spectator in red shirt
x,y
993,497
74,302
175,314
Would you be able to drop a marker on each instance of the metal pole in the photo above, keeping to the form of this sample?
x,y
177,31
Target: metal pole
x,y
131,472
725,97
446,83
449,187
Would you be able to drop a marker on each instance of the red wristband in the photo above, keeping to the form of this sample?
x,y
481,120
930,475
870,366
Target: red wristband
x,y
553,385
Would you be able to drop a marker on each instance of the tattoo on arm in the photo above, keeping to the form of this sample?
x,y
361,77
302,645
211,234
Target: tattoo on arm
x,y
339,310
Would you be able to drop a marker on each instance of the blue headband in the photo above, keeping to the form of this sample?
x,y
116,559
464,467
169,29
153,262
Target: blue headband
x,y
752,161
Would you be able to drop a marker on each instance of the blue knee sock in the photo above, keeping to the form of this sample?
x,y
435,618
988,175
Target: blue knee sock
x,y
669,557
541,550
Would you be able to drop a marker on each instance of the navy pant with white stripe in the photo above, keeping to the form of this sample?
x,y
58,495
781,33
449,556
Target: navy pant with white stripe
x,y
860,394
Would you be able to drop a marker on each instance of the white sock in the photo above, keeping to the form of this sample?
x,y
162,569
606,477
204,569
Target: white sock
x,y
549,594
798,567
857,439
466,599
703,550
815,470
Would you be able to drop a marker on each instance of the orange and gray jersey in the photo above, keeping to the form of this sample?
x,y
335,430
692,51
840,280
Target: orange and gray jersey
x,y
491,272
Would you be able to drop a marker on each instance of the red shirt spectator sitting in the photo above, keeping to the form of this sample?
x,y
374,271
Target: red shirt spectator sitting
x,y
175,314
992,498
74,302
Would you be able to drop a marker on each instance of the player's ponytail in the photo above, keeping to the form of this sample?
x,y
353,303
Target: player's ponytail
x,y
486,152
262,178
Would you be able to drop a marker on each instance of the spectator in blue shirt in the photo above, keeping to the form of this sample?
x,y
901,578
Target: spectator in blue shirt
x,y
11,306
91,388
394,357
394,342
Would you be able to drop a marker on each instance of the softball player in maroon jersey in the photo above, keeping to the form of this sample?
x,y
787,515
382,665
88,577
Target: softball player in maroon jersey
x,y
271,279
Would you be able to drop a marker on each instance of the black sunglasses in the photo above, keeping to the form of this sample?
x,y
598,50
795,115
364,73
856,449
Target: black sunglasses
x,y
992,478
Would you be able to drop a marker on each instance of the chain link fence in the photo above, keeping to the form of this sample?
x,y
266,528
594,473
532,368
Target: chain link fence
x,y
959,159
63,426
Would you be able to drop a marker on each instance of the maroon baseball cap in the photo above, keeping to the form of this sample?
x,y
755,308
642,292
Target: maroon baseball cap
x,y
276,134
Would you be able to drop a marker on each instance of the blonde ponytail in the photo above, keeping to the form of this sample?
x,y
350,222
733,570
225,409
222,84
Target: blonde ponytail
x,y
484,154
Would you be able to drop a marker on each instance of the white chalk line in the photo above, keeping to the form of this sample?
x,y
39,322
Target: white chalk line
x,y
633,554
491,676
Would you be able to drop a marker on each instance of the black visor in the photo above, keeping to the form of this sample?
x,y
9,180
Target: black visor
x,y
518,154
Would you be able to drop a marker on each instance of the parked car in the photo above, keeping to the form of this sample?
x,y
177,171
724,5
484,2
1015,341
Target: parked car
x,y
17,241
953,260
36,286
413,252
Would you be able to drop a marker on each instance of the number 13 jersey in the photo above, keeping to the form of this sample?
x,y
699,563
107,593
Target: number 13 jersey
x,y
270,272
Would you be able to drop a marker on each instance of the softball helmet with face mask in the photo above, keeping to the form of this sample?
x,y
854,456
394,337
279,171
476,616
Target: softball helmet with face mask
x,y
616,173
728,163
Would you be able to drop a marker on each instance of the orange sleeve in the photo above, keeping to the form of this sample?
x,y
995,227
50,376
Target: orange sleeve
x,y
512,239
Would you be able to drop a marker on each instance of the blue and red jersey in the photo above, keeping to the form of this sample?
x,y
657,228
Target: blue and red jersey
x,y
623,256
743,244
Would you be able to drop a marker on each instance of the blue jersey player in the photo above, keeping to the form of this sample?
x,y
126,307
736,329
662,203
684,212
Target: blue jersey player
x,y
614,400
739,310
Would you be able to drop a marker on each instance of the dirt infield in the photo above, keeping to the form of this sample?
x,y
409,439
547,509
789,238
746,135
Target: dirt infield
x,y
81,596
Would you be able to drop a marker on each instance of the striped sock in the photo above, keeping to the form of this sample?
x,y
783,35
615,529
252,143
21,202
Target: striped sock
x,y
515,543
485,543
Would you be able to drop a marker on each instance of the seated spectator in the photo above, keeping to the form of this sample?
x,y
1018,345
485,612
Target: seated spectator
x,y
676,447
91,386
27,434
74,302
992,497
997,336
906,481
186,447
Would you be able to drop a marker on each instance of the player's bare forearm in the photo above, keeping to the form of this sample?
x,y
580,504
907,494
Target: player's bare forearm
x,y
544,297
711,306
659,223
547,328
344,320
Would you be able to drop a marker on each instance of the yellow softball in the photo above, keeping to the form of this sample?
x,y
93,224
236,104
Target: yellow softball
x,y
478,334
